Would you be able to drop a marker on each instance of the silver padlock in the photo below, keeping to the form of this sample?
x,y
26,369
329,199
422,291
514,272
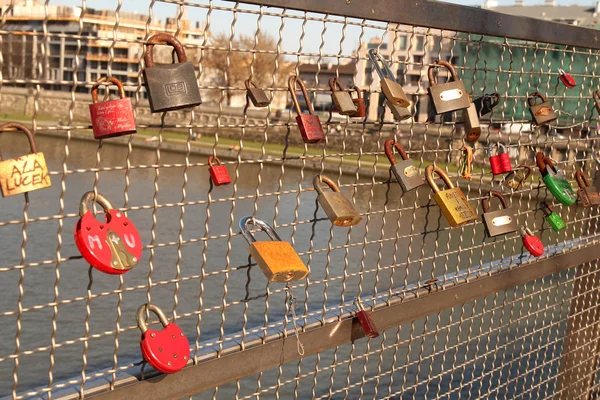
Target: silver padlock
x,y
341,98
471,123
338,208
389,86
405,172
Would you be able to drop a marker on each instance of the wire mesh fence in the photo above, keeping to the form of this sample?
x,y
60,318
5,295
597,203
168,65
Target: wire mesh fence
x,y
74,327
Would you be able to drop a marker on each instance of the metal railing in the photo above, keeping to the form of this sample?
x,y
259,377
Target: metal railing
x,y
461,315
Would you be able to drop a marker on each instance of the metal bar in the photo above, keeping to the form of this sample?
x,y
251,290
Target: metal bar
x,y
219,371
450,17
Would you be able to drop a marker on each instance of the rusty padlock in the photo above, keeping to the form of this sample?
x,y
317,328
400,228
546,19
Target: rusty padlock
x,y
391,89
170,86
452,201
341,98
277,259
218,173
257,95
338,208
359,103
309,124
113,247
26,173
449,96
111,118
168,349
542,112
499,222
588,194
405,172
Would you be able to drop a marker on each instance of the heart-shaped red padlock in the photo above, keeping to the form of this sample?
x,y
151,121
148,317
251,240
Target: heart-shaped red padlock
x,y
532,243
167,350
113,247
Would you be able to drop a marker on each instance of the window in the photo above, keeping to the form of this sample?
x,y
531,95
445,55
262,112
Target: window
x,y
420,43
413,80
417,59
400,74
368,75
403,42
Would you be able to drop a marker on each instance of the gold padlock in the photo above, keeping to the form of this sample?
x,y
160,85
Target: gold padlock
x,y
341,98
277,259
337,207
452,201
26,173
391,89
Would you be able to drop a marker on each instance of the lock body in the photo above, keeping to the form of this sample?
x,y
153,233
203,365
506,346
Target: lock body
x,y
533,244
559,186
112,118
399,113
278,261
407,175
258,97
167,350
24,174
515,178
339,209
486,103
567,79
589,196
394,93
343,102
471,123
310,128
542,113
172,86
367,324
219,175
455,206
449,96
555,221
359,104
500,222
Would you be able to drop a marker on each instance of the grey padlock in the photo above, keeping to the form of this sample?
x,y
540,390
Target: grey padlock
x,y
338,208
257,96
399,113
449,96
499,222
542,113
391,89
471,123
405,172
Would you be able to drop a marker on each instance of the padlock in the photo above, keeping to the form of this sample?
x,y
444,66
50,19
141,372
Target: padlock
x,y
552,217
111,118
257,95
486,103
532,243
341,98
168,349
113,247
366,322
471,123
500,162
596,96
309,124
555,180
277,259
399,113
452,201
218,173
588,194
449,96
391,89
405,172
566,79
542,112
359,103
170,86
515,179
26,173
338,208
499,222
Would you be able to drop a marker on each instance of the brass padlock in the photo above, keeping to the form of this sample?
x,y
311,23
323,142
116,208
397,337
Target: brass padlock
x,y
449,96
26,173
499,222
452,201
277,259
471,123
389,86
399,113
257,95
341,98
588,194
405,172
338,208
596,96
542,112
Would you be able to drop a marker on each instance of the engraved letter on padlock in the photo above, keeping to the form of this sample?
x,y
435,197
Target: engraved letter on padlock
x,y
338,208
111,118
26,173
113,247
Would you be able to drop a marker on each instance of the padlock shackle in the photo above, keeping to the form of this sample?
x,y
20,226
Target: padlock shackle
x,y
248,83
91,197
531,99
497,146
485,201
357,90
318,179
141,317
112,80
429,171
439,64
542,161
527,231
335,85
161,38
377,58
496,96
582,179
294,81
596,96
254,221
215,158
389,152
20,127
546,209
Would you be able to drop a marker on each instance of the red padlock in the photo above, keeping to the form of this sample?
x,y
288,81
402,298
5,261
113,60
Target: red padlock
x,y
366,322
309,124
500,163
167,350
567,79
532,243
359,102
113,247
218,173
114,117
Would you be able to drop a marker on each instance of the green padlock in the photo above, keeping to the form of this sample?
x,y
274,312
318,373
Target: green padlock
x,y
556,182
552,217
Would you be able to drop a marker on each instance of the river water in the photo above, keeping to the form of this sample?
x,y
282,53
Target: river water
x,y
180,279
